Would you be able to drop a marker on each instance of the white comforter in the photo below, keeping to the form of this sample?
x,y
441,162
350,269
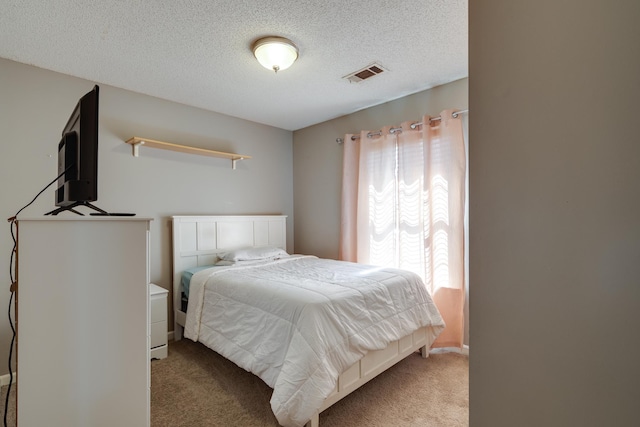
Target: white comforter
x,y
299,322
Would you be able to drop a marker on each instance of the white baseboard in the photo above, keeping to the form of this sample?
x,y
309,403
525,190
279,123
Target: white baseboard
x,y
4,379
170,335
464,350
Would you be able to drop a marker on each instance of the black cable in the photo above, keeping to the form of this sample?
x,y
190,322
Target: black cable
x,y
13,218
12,221
13,338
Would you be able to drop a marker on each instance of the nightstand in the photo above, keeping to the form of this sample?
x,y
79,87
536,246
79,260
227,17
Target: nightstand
x,y
158,321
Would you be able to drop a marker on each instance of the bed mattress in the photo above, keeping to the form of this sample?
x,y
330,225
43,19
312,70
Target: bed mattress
x,y
299,322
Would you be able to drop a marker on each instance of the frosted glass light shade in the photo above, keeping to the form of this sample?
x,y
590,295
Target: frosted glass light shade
x,y
275,53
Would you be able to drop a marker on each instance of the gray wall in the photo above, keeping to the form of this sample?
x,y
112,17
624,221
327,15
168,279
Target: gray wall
x,y
555,213
34,107
317,167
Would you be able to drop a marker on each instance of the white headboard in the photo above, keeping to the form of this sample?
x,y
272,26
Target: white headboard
x,y
197,240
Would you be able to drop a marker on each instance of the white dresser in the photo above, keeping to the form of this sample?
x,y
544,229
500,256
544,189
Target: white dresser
x,y
158,321
82,322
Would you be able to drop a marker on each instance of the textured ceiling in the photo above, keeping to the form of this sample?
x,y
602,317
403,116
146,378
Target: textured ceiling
x,y
197,52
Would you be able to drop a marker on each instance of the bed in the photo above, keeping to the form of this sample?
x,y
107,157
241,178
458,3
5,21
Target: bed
x,y
313,329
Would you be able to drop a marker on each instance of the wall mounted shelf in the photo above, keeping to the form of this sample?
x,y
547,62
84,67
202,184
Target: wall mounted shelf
x,y
136,142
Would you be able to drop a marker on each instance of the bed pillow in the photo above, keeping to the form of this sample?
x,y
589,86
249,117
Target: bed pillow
x,y
224,263
253,253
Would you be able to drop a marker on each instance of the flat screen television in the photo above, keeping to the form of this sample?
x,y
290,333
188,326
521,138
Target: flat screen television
x,y
78,157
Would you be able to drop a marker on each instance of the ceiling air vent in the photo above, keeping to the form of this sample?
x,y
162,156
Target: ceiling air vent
x,y
365,73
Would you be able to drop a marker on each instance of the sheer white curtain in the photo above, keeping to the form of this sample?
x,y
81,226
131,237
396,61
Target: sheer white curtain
x,y
403,205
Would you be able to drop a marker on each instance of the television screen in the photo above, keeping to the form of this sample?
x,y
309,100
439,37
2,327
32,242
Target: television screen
x,y
78,157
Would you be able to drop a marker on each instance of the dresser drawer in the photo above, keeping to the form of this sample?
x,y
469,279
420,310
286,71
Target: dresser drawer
x,y
158,321
158,333
158,308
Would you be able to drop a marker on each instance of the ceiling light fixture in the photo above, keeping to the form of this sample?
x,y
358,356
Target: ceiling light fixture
x,y
275,53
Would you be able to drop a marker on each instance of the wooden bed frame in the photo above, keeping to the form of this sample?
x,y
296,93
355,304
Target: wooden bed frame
x,y
197,240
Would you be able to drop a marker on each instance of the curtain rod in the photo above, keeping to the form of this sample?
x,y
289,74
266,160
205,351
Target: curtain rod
x,y
394,130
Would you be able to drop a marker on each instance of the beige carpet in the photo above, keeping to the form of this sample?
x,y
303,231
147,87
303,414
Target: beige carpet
x,y
196,387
